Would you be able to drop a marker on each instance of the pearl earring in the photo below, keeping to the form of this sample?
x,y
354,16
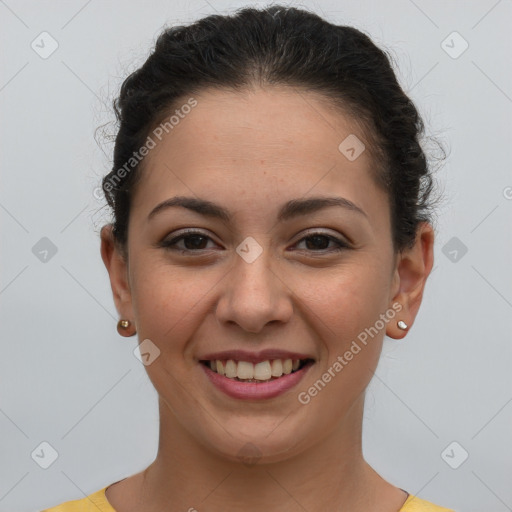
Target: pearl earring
x,y
402,325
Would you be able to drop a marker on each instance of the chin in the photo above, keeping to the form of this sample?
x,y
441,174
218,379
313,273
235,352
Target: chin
x,y
251,444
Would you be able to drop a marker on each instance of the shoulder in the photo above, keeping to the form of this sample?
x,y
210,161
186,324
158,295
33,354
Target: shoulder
x,y
95,502
415,504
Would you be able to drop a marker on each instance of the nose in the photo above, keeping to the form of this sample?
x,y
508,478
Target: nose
x,y
254,295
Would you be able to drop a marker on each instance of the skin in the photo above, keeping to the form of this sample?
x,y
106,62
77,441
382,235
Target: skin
x,y
251,152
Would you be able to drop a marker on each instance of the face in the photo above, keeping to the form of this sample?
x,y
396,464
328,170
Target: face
x,y
254,285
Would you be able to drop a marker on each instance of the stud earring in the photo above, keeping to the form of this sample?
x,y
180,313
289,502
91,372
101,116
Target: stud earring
x,y
402,325
126,328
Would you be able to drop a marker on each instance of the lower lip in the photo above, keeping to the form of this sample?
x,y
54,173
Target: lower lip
x,y
255,390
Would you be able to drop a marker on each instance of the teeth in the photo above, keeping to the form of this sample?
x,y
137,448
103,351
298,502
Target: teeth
x,y
287,366
245,370
231,369
277,368
262,371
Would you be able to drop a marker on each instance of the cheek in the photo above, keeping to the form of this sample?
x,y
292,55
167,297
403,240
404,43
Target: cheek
x,y
344,303
167,302
342,312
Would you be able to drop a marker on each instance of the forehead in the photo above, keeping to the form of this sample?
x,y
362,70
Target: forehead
x,y
275,143
278,122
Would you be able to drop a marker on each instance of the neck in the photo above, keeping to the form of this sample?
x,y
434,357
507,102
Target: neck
x,y
332,474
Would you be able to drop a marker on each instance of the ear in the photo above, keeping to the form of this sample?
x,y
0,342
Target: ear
x,y
117,268
412,268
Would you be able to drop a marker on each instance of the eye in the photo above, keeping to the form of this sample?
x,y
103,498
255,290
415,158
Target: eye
x,y
319,242
194,241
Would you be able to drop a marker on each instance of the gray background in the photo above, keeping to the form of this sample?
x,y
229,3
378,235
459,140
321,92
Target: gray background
x,y
68,378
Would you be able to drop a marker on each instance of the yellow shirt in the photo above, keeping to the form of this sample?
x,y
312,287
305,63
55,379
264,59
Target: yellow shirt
x,y
97,502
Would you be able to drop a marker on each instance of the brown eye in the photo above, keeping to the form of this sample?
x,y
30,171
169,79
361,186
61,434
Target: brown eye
x,y
193,241
318,242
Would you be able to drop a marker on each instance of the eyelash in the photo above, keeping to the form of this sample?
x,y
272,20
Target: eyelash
x,y
169,244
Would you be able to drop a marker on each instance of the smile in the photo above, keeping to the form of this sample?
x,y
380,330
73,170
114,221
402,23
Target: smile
x,y
264,371
268,375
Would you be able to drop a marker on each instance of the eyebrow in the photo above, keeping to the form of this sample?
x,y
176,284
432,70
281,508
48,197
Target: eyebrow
x,y
289,210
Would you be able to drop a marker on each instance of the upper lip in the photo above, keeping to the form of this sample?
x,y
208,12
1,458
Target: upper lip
x,y
253,357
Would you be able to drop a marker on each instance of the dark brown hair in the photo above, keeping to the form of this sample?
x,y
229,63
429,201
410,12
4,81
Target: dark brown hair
x,y
278,45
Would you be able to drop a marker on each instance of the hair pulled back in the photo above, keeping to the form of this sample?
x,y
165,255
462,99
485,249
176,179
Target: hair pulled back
x,y
277,45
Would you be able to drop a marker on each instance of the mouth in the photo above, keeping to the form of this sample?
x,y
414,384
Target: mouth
x,y
253,376
256,372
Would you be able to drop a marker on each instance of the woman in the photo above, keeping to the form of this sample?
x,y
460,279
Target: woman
x,y
271,224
